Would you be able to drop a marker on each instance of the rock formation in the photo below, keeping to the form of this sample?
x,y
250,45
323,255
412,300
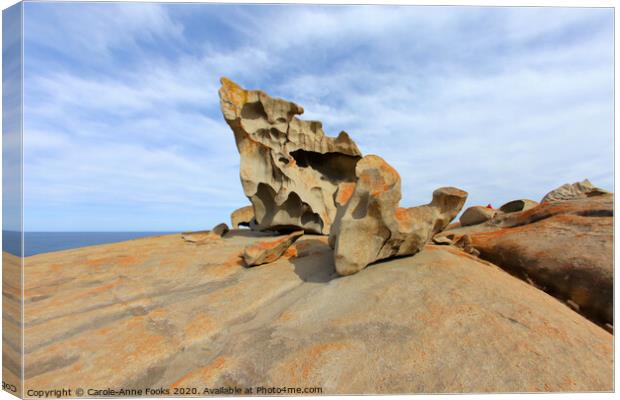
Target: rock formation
x,y
217,232
243,216
565,248
518,205
476,215
577,190
268,251
290,170
373,227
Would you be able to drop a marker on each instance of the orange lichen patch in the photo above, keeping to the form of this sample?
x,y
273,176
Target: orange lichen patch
x,y
345,191
306,361
123,261
285,316
202,375
200,327
99,289
56,267
266,245
233,93
227,267
77,367
290,252
158,312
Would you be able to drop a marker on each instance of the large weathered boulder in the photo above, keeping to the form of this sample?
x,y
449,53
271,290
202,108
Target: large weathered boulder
x,y
476,215
518,205
565,248
243,216
268,251
290,170
572,191
373,227
184,316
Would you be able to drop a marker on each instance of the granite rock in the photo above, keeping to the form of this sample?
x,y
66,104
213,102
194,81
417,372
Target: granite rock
x,y
373,227
290,170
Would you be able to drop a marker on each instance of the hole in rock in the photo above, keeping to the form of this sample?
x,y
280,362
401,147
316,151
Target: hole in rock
x,y
253,111
333,166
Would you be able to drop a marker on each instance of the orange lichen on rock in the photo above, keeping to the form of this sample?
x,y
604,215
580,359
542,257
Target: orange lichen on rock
x,y
373,227
202,375
268,251
345,191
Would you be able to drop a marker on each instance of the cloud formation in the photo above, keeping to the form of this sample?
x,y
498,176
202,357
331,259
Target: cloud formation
x,y
123,129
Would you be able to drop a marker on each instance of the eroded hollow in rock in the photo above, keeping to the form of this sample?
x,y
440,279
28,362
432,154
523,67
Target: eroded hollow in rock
x,y
335,167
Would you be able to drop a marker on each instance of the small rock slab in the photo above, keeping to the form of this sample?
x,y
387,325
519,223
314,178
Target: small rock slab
x,y
268,251
201,236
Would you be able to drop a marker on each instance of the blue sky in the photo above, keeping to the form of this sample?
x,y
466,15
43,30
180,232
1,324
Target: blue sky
x,y
123,129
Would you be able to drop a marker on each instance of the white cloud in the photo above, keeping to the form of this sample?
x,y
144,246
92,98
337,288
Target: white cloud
x,y
448,96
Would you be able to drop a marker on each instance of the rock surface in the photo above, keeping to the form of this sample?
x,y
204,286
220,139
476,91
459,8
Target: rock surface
x,y
374,228
268,251
565,248
518,205
243,216
290,170
476,215
182,315
572,191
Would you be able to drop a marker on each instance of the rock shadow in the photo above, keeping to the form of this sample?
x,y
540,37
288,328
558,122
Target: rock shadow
x,y
248,233
315,261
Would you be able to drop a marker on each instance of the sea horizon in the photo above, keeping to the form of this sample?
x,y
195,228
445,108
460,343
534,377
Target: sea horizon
x,y
39,242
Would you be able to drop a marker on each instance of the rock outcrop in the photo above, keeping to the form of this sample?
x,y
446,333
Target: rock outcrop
x,y
193,316
243,216
572,191
268,251
562,247
373,227
476,215
290,170
518,205
217,232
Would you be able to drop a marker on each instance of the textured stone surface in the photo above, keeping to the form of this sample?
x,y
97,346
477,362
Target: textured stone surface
x,y
216,233
290,170
572,191
373,227
518,205
243,216
476,215
180,315
565,248
268,251
11,327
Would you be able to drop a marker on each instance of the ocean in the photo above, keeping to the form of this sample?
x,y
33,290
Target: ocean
x,y
45,242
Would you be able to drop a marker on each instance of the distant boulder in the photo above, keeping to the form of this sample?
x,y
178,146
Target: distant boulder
x,y
243,216
518,205
572,191
476,215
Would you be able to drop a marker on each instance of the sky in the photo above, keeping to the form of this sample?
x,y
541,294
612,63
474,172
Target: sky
x,y
123,131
